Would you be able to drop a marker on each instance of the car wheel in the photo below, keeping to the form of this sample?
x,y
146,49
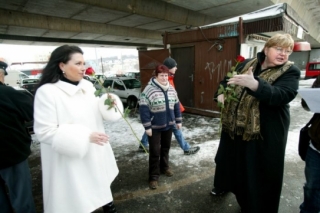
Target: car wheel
x,y
132,102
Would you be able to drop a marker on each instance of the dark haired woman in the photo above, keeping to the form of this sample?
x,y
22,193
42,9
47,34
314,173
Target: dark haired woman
x,y
78,163
159,112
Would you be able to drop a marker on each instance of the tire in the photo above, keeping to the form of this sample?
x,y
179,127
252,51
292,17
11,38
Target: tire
x,y
132,102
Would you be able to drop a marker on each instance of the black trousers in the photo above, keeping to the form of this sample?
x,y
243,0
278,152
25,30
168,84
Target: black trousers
x,y
159,146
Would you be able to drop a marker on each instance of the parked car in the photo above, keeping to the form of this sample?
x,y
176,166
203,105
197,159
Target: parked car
x,y
100,76
312,70
95,80
28,125
30,84
14,77
128,89
135,75
89,78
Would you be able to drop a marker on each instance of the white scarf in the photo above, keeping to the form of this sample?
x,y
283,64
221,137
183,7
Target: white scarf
x,y
164,87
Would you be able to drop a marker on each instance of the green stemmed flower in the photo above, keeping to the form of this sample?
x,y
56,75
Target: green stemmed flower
x,y
229,92
111,103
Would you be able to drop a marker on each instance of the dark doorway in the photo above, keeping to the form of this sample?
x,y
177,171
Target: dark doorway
x,y
184,76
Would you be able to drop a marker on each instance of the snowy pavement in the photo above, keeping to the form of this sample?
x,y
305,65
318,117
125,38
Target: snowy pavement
x,y
202,131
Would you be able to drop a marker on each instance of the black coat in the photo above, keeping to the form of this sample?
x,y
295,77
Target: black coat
x,y
253,170
16,108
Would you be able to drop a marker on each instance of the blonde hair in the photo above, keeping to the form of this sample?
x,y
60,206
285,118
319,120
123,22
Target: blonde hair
x,y
280,40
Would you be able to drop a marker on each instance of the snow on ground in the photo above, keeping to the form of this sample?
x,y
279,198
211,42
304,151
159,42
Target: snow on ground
x,y
197,130
299,117
124,142
306,83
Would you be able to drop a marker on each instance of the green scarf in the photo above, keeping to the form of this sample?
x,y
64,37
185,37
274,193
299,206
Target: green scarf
x,y
243,117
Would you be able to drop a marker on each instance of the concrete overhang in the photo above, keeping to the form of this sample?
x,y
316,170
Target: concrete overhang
x,y
127,23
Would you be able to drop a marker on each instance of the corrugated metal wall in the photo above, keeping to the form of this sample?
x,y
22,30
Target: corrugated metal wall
x,y
260,26
283,24
208,34
315,55
300,59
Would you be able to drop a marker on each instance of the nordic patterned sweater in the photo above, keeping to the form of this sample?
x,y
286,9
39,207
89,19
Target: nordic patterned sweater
x,y
159,109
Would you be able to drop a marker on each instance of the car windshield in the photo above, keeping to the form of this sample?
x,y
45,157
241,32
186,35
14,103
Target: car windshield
x,y
132,83
98,76
23,76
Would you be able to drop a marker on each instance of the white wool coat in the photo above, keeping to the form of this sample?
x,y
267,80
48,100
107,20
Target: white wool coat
x,y
76,173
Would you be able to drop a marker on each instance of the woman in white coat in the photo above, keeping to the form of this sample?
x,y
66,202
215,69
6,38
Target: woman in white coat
x,y
78,164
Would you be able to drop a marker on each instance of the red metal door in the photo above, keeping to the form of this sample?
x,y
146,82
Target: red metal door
x,y
148,60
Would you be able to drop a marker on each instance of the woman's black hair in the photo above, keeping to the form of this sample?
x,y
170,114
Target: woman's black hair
x,y
52,72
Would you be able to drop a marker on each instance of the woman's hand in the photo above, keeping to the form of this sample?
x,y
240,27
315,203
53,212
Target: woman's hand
x,y
221,98
99,138
149,132
245,80
179,126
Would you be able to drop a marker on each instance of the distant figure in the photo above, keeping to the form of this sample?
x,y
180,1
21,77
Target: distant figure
x,y
311,202
185,146
250,157
16,108
78,164
159,112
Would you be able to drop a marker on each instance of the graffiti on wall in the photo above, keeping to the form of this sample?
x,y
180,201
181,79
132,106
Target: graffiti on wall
x,y
211,68
221,71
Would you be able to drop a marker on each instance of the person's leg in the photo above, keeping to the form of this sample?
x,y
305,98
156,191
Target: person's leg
x,y
311,202
154,155
179,137
164,153
185,146
17,180
4,200
144,140
224,168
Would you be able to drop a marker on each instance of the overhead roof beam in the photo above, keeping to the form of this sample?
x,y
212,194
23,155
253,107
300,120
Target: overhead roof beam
x,y
154,9
13,18
75,41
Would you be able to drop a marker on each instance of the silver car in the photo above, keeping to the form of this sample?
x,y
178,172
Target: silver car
x,y
128,89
